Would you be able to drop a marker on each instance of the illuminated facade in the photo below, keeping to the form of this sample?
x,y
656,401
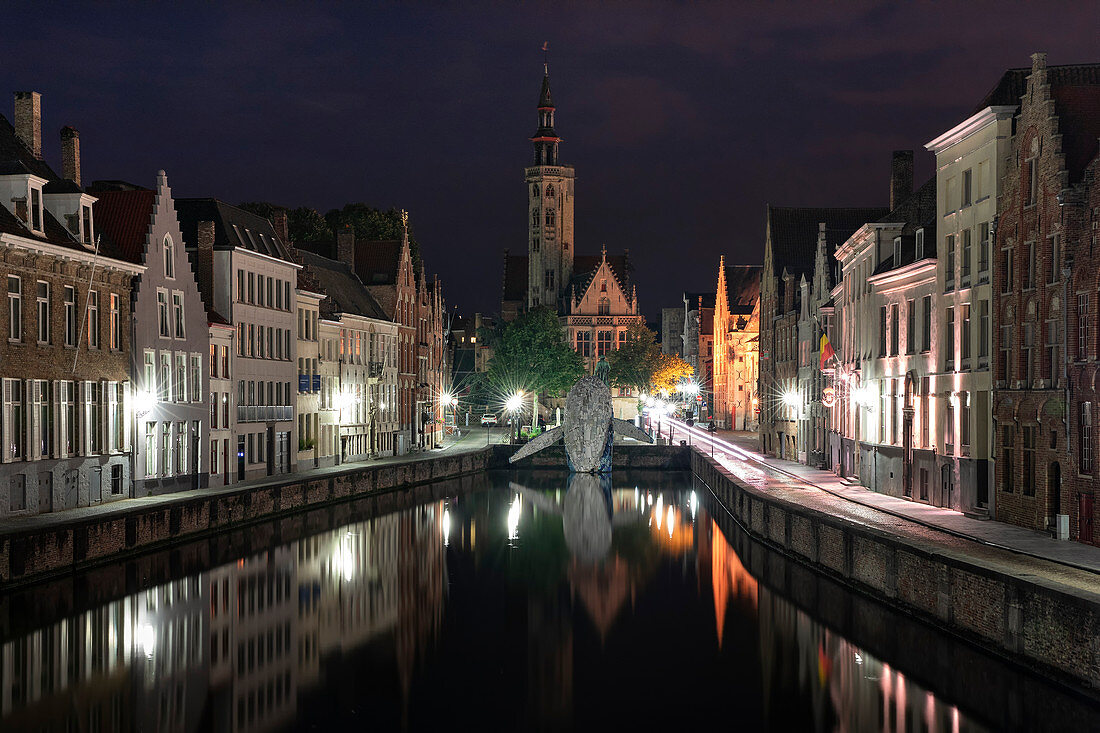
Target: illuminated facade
x,y
736,345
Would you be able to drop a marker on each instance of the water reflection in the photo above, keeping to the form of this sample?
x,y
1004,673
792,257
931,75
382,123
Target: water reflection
x,y
571,599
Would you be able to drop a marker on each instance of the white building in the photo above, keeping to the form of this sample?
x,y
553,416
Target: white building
x,y
222,407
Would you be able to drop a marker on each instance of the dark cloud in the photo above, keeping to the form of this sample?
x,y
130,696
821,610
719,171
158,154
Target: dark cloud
x,y
683,121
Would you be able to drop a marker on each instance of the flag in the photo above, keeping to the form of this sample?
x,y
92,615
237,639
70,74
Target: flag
x,y
826,350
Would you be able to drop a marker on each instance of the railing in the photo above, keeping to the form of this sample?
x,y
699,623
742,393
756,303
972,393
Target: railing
x,y
264,413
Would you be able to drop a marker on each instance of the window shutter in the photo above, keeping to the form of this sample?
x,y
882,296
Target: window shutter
x,y
34,418
5,424
86,423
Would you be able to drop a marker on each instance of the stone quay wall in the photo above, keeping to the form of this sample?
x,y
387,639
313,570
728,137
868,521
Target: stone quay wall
x,y
38,553
1030,620
623,457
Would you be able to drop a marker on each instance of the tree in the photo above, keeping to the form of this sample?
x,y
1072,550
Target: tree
x,y
306,225
370,223
670,371
532,357
639,364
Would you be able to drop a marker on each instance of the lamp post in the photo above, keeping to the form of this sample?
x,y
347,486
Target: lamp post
x,y
513,404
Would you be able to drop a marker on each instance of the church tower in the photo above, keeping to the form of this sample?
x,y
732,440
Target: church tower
x,y
550,212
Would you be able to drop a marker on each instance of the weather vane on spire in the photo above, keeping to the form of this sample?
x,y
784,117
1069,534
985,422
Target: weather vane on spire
x,y
545,63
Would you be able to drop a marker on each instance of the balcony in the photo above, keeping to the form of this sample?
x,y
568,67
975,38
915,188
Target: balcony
x,y
264,413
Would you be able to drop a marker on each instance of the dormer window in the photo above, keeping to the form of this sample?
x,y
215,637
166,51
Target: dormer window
x,y
169,250
920,244
86,221
36,209
897,251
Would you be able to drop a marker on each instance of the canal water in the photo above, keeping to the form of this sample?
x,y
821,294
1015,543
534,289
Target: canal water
x,y
507,601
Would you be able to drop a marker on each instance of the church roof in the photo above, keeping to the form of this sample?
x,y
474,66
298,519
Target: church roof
x,y
544,93
793,232
743,288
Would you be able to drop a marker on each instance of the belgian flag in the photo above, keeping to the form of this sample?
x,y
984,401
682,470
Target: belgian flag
x,y
826,350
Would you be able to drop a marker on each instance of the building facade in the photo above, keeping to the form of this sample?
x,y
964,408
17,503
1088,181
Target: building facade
x,y
170,338
65,361
1046,287
736,345
312,452
247,276
222,441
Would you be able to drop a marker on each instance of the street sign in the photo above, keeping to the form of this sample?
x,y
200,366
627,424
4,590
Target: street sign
x,y
698,398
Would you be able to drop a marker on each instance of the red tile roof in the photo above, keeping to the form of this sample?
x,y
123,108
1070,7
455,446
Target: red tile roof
x,y
376,262
125,217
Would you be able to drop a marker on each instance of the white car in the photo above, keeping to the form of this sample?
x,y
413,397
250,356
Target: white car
x,y
487,420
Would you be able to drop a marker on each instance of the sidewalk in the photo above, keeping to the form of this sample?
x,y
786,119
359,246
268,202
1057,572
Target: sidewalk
x,y
989,532
471,440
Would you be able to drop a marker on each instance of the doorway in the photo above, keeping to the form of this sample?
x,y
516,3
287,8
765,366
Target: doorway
x,y
225,460
269,439
1054,491
1084,520
240,458
947,485
45,492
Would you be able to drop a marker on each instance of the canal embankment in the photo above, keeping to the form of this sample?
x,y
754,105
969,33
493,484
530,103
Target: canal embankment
x,y
1037,613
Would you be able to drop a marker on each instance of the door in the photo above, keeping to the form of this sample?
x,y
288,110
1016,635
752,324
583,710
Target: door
x,y
240,458
195,454
946,485
225,461
1054,491
1084,522
270,439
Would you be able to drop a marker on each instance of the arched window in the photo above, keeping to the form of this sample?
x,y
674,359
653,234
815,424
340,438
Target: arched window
x,y
550,191
603,307
535,244
535,218
551,218
169,256
535,191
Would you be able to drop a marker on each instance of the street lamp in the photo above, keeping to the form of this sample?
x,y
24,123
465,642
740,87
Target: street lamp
x,y
512,405
144,402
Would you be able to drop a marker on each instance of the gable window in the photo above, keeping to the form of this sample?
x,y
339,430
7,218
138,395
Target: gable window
x,y
603,307
43,302
86,217
36,210
169,253
15,308
920,244
93,319
897,251
162,313
1032,181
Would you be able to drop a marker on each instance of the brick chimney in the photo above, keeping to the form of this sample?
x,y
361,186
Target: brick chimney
x,y
345,246
204,259
28,120
70,154
901,177
282,228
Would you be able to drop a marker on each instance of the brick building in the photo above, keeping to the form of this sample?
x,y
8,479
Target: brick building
x,y
65,360
1047,293
736,345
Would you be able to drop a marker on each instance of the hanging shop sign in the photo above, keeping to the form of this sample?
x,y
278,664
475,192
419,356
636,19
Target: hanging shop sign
x,y
828,396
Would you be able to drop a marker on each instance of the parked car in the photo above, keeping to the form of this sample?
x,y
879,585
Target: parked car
x,y
487,420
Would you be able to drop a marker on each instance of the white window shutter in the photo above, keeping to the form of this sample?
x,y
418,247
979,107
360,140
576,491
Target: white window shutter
x,y
86,403
35,432
6,425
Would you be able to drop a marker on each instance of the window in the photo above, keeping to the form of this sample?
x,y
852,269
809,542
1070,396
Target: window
x,y
225,362
214,461
149,373
924,399
966,254
883,411
949,426
911,326
983,248
1029,460
196,378
1084,438
14,308
926,324
894,335
162,313
535,217
181,448
36,210
1032,181
214,411
964,422
920,244
165,448
983,331
548,278
1008,443
1006,346
949,273
213,361
93,319
286,300
169,253
964,318
535,244
279,295
1029,274
551,218
967,187
584,343
116,323
897,252
270,294
1026,354
882,331
86,218
240,286
1055,258
949,337
150,449
1082,326
603,342
70,315
1053,347
603,307
14,419
177,313
43,301
179,393
251,287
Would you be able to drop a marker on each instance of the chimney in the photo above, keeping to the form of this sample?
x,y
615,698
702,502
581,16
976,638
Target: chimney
x,y
28,120
901,177
204,239
345,246
282,228
70,154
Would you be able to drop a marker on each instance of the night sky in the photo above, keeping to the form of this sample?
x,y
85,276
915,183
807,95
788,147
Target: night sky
x,y
682,122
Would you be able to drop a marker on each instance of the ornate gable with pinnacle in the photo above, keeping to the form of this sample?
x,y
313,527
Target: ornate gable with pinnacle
x,y
603,294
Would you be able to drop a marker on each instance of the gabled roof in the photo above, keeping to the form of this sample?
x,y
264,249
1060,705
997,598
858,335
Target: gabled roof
x,y
743,288
346,291
794,230
233,227
124,217
918,211
377,261
586,266
1075,89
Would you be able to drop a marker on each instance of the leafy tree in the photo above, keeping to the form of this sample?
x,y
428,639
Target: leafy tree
x,y
371,223
639,364
532,357
306,225
259,208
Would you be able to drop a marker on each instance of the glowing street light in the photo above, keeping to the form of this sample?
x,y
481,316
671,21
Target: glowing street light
x,y
144,402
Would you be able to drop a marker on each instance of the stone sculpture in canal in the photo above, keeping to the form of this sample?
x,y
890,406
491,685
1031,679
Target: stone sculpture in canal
x,y
589,429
